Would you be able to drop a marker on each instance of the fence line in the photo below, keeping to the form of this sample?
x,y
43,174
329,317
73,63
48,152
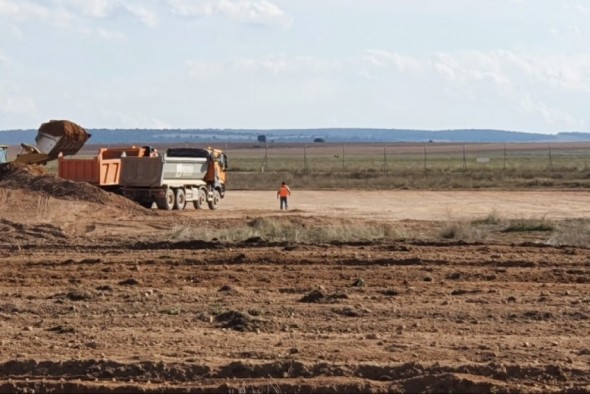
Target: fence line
x,y
389,158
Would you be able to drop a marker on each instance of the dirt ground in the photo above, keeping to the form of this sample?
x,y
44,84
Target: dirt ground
x,y
99,294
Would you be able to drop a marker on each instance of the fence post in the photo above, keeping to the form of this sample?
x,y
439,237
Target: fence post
x,y
464,159
385,159
264,163
504,157
305,169
424,157
550,160
342,158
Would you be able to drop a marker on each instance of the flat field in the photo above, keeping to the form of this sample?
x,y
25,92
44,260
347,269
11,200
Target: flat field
x,y
348,291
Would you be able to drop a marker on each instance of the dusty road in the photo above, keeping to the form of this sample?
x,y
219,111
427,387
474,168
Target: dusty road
x,y
98,294
417,205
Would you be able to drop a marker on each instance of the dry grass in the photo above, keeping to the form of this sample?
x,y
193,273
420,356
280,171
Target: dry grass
x,y
551,232
463,231
572,233
276,230
558,232
408,180
526,225
273,230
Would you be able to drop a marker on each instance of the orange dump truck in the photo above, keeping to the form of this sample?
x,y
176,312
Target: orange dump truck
x,y
179,176
103,170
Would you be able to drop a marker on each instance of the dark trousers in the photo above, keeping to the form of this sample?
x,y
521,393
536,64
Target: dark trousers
x,y
284,202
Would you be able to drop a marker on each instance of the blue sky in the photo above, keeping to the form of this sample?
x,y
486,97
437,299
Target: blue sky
x,y
519,65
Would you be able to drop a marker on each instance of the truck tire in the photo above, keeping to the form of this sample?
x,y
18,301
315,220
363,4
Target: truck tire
x,y
147,204
179,199
214,203
168,201
201,200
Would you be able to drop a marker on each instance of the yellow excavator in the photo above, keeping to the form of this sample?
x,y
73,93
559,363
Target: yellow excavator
x,y
54,138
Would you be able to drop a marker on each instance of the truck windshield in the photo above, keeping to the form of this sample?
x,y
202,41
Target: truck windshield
x,y
223,160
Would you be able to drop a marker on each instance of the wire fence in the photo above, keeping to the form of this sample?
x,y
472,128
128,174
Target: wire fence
x,y
391,158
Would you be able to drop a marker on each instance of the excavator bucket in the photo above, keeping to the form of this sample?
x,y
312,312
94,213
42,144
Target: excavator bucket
x,y
54,138
60,136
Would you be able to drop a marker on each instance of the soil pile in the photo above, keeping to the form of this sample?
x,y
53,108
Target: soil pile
x,y
14,172
70,130
35,178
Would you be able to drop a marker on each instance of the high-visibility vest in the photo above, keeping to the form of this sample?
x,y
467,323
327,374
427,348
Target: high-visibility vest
x,y
284,191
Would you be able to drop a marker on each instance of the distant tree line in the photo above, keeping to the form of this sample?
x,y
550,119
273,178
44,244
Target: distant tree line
x,y
129,136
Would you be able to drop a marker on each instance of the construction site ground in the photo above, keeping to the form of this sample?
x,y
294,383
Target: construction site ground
x,y
100,294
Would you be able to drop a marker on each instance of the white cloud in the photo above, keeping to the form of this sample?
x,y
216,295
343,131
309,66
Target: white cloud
x,y
18,104
576,30
13,101
203,70
566,72
100,9
12,30
552,116
502,68
576,7
110,35
4,59
198,8
22,10
92,8
535,78
131,119
261,12
402,63
268,66
68,13
447,66
145,15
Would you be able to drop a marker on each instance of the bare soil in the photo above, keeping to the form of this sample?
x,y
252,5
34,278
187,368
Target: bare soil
x,y
99,294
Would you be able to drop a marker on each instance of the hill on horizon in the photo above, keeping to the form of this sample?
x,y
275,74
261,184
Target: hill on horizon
x,y
340,135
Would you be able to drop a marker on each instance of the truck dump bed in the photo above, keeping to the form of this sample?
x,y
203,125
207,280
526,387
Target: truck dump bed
x,y
101,170
170,170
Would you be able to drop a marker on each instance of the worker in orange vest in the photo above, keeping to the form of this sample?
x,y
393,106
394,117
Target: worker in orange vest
x,y
283,193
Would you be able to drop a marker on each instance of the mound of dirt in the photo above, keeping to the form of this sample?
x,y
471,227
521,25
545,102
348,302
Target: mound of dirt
x,y
239,321
320,296
70,130
35,178
15,169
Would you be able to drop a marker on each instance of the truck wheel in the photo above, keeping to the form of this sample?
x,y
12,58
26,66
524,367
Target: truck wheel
x,y
168,201
179,199
214,203
201,200
147,204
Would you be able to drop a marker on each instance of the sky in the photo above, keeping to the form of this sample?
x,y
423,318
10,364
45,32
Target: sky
x,y
520,65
